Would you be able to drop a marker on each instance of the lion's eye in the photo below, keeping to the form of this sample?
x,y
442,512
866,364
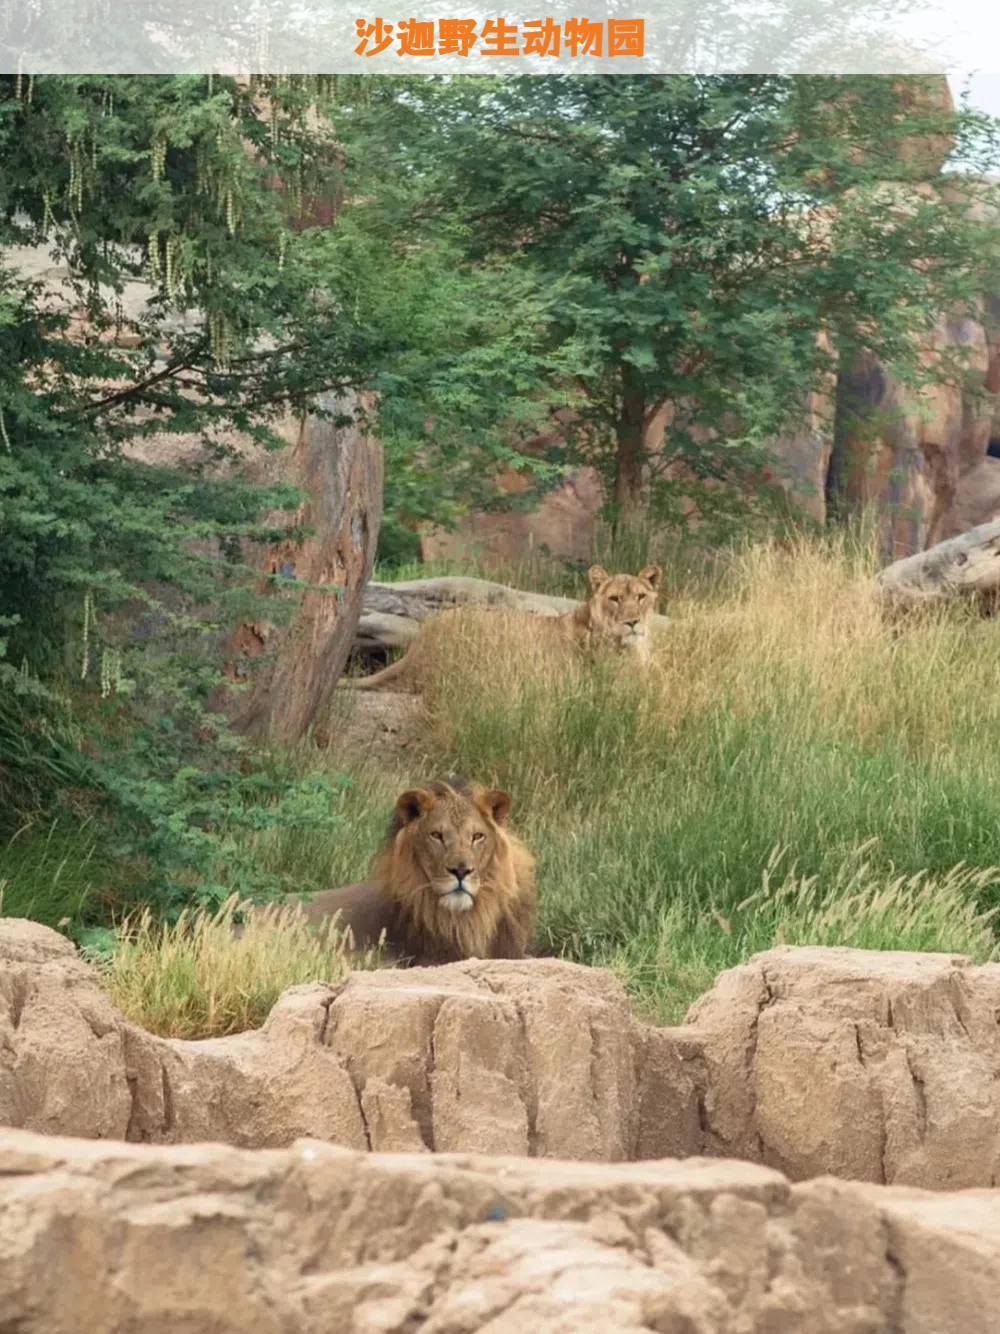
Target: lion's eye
x,y
642,597
615,600
436,833
478,837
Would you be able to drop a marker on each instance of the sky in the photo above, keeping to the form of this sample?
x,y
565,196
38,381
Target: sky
x,y
984,89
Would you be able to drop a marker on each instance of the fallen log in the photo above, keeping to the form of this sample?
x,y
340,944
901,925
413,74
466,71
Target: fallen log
x,y
967,565
391,614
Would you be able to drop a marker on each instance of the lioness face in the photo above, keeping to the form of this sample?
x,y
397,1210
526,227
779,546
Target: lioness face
x,y
454,840
622,606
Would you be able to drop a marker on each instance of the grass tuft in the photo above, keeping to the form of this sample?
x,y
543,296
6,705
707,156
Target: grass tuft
x,y
195,979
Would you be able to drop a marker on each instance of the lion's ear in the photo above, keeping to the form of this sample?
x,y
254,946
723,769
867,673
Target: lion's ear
x,y
652,575
496,805
597,575
410,805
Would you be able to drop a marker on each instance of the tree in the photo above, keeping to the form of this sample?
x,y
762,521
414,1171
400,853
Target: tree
x,y
676,246
113,564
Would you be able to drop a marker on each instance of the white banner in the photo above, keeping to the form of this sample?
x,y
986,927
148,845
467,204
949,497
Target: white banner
x,y
431,37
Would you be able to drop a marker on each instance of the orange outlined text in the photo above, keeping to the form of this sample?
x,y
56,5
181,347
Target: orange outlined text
x,y
501,37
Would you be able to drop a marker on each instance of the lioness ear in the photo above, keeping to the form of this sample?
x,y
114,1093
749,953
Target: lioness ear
x,y
652,575
496,804
412,804
597,575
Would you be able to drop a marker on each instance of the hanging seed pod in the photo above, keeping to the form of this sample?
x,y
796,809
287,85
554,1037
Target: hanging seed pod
x,y
168,267
111,672
88,618
3,431
157,158
78,177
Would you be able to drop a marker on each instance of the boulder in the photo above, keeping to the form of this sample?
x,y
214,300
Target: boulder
x,y
503,1057
62,1047
208,1239
869,1065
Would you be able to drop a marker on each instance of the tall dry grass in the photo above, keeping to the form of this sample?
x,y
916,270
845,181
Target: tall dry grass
x,y
195,978
780,712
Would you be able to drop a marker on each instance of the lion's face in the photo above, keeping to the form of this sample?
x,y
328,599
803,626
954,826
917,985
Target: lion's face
x,y
622,606
453,838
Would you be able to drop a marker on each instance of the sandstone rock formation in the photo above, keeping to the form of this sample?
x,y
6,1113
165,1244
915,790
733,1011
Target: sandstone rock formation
x,y
918,458
880,1067
869,1065
522,1058
207,1240
563,524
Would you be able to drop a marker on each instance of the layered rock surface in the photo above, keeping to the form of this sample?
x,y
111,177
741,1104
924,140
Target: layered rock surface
x,y
519,1058
206,1240
876,1067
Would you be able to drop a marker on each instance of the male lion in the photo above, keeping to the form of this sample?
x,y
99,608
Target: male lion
x,y
450,882
618,614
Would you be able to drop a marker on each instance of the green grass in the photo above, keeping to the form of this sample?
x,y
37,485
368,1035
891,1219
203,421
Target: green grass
x,y
791,770
781,715
194,979
54,872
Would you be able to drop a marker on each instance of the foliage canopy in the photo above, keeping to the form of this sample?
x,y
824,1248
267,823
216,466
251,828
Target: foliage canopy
x,y
192,304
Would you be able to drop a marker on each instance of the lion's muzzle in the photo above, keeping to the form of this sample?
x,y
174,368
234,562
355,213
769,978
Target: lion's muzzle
x,y
460,894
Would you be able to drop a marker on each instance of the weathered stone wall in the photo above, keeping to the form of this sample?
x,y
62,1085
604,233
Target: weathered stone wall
x,y
313,1239
879,1067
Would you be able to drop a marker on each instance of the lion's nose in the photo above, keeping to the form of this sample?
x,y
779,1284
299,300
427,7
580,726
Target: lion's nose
x,y
460,871
631,624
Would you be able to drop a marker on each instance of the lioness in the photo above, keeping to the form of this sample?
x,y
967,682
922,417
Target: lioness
x,y
450,882
618,614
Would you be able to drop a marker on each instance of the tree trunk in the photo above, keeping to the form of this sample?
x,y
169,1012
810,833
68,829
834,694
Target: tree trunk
x,y
340,471
630,457
967,565
393,613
